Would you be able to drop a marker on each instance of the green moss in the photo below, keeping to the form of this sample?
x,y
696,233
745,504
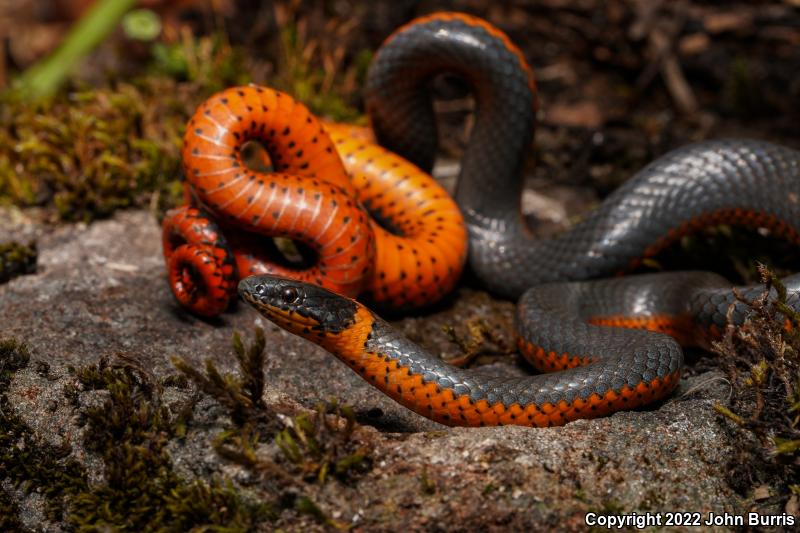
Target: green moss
x,y
141,491
762,359
251,362
317,444
128,427
85,154
129,432
315,447
14,356
16,259
306,505
27,462
9,514
240,395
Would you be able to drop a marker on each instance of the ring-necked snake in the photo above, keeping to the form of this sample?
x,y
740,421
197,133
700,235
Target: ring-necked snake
x,y
604,369
562,327
375,223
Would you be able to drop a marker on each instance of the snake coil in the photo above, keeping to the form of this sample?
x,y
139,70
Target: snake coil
x,y
330,204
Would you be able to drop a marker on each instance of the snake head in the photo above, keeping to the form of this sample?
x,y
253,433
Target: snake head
x,y
301,308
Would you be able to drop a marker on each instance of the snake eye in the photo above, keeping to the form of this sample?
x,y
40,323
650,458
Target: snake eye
x,y
289,295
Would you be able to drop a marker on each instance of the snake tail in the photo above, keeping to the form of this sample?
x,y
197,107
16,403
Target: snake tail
x,y
200,266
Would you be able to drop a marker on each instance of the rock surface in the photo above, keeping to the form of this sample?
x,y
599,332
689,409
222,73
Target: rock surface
x,y
101,291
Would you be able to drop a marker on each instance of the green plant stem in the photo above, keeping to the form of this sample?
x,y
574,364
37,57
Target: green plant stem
x,y
45,77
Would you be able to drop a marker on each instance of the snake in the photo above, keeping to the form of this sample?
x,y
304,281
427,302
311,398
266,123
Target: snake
x,y
590,370
604,344
366,221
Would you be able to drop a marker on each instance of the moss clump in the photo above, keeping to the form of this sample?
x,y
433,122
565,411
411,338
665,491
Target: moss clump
x,y
9,514
13,356
128,427
129,432
27,462
315,444
83,155
242,396
312,446
16,259
762,359
318,445
141,491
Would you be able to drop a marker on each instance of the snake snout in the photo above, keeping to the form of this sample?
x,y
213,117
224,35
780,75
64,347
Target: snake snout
x,y
295,305
251,288
271,291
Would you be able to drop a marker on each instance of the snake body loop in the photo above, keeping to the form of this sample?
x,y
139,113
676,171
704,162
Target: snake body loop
x,y
402,114
740,182
421,241
321,180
